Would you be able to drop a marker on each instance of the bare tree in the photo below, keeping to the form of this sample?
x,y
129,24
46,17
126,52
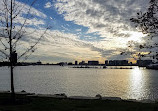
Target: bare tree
x,y
147,23
14,28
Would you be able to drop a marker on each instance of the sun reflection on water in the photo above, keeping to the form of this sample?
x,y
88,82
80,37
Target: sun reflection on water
x,y
137,85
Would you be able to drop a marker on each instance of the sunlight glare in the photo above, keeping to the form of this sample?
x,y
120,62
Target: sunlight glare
x,y
137,84
136,36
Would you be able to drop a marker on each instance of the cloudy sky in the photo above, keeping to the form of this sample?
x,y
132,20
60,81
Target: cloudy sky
x,y
81,29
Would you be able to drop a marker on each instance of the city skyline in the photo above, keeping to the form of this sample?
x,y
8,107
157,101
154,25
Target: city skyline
x,y
89,30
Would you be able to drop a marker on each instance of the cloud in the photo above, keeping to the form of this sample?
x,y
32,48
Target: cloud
x,y
78,30
22,12
25,8
65,46
58,46
108,18
48,5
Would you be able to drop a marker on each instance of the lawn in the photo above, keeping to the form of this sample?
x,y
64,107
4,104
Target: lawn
x,y
25,103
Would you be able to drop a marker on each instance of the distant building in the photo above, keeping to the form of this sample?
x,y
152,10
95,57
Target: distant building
x,y
4,63
62,63
82,63
76,62
118,62
39,62
70,63
93,62
123,62
143,63
106,62
111,63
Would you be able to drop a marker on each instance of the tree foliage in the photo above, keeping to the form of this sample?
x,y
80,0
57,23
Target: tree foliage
x,y
147,23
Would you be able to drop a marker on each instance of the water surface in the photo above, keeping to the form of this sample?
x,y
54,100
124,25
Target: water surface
x,y
125,83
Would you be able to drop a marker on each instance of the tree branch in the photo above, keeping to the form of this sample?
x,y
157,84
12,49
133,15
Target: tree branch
x,y
29,49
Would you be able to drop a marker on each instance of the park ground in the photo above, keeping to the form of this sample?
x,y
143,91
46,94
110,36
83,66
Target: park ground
x,y
33,103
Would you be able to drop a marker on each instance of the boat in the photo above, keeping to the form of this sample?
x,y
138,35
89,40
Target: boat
x,y
104,67
152,66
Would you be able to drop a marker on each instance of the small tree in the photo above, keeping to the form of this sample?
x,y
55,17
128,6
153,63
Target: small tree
x,y
13,32
147,23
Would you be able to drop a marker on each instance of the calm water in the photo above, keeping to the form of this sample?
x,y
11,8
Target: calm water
x,y
125,83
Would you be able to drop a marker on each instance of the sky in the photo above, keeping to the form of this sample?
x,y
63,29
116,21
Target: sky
x,y
81,29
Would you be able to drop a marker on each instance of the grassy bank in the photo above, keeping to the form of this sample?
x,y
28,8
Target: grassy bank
x,y
24,103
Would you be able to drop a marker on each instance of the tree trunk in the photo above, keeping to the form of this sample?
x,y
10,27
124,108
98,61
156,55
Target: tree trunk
x,y
11,57
12,84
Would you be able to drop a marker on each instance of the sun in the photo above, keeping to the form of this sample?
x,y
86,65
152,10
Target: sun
x,y
136,36
133,36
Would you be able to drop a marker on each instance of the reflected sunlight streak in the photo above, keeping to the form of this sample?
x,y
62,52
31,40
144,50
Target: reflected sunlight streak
x,y
137,84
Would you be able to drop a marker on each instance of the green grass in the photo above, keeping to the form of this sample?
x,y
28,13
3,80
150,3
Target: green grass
x,y
49,104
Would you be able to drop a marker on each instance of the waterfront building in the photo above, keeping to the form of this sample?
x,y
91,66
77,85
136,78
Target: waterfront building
x,y
106,62
39,62
93,62
62,63
118,62
111,63
76,62
82,63
143,63
70,63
